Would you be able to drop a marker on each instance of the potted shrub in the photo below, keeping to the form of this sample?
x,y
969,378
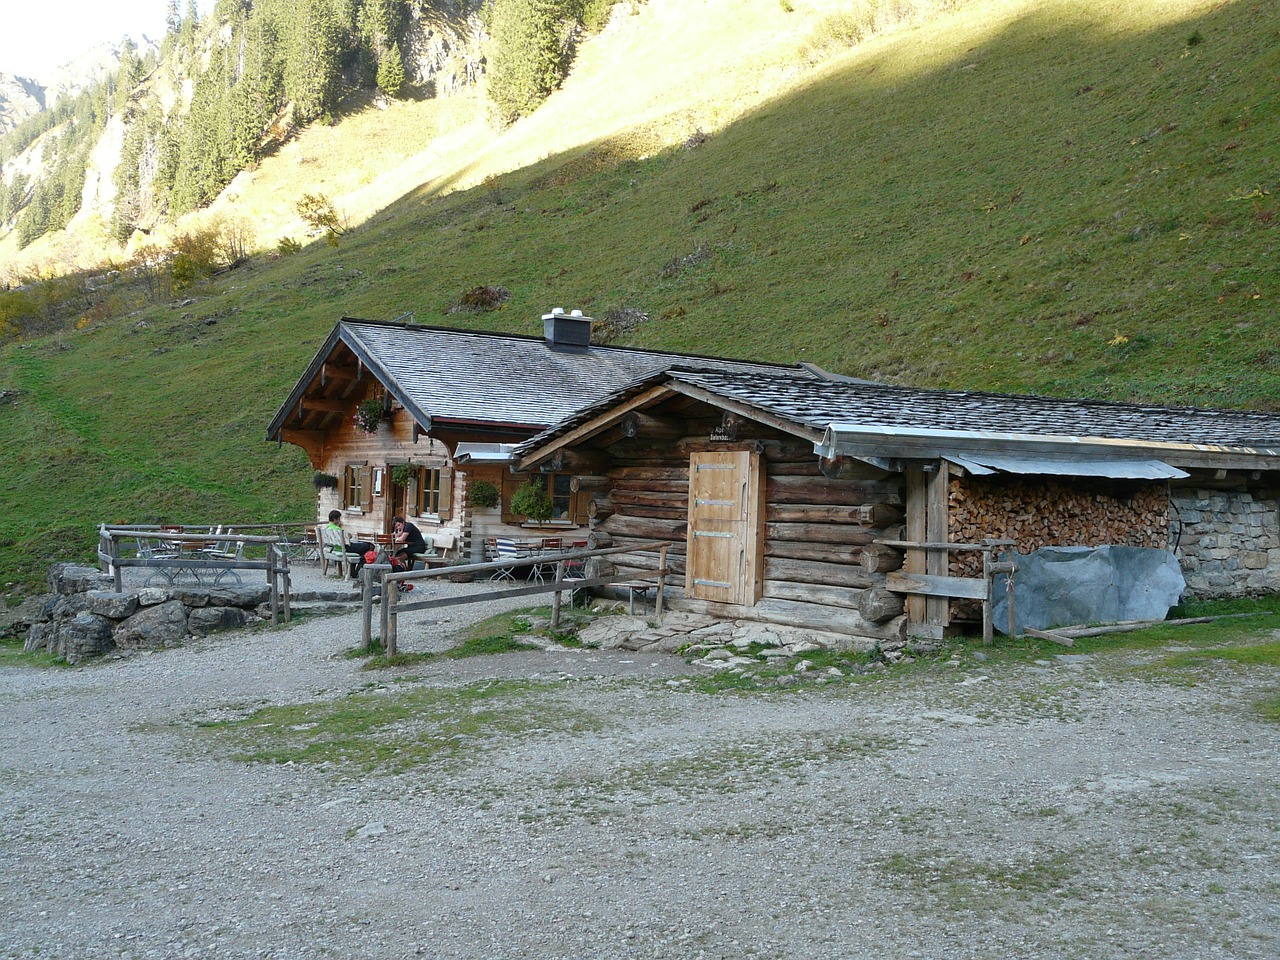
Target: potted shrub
x,y
402,474
325,481
531,500
483,495
368,415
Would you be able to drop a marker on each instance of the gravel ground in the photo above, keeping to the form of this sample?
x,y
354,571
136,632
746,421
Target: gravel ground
x,y
979,809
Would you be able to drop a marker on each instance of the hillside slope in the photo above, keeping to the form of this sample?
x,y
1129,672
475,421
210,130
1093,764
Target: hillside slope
x,y
1057,196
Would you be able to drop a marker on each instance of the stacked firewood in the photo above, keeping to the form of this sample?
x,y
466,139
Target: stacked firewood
x,y
1042,513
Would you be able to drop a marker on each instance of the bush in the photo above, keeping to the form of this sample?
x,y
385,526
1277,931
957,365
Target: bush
x,y
482,494
531,500
318,212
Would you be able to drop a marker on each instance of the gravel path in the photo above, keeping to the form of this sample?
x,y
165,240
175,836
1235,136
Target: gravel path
x,y
602,807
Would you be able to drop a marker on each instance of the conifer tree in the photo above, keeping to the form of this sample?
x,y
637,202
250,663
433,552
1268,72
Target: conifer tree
x,y
391,72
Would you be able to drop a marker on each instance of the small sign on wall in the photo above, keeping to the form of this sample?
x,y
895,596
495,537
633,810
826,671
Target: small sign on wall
x,y
377,481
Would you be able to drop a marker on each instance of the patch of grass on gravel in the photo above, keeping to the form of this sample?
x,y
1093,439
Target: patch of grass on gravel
x,y
496,634
961,883
392,731
12,655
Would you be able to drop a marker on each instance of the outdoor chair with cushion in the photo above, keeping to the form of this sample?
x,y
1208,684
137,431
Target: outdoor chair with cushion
x,y
334,551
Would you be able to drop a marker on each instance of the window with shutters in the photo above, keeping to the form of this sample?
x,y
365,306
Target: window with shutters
x,y
354,482
434,492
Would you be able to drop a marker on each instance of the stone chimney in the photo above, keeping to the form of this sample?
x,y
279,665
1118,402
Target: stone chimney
x,y
567,331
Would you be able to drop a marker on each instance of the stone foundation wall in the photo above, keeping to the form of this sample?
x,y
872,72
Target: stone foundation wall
x,y
83,617
1228,541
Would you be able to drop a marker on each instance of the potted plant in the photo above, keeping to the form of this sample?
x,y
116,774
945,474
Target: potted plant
x,y
325,481
402,474
368,415
531,500
483,494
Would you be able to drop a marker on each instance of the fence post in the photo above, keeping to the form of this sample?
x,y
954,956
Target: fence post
x,y
383,628
288,584
366,625
390,595
274,588
662,581
555,597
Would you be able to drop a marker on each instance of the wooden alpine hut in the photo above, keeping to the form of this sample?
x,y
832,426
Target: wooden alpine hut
x,y
868,509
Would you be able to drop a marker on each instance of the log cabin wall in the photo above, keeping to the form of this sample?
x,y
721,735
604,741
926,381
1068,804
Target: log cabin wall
x,y
814,528
1228,541
392,443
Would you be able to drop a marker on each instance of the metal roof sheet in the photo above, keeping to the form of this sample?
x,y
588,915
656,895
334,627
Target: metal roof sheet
x,y
986,464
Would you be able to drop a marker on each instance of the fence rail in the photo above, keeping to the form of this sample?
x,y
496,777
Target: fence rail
x,y
275,564
379,574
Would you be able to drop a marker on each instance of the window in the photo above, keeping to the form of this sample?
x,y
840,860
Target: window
x,y
434,492
353,486
561,496
566,506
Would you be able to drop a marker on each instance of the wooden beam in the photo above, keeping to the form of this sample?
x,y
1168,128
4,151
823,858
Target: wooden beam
x,y
914,562
936,587
938,562
592,427
325,406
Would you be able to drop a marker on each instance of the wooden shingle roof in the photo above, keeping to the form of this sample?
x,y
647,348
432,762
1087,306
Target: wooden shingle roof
x,y
469,377
898,421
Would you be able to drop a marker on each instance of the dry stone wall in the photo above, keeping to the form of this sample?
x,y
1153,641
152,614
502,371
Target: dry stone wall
x,y
1228,541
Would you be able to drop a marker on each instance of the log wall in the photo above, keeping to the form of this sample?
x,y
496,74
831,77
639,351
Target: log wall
x,y
814,527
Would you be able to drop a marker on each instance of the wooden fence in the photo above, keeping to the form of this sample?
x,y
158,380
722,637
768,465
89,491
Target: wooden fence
x,y
276,562
393,605
960,588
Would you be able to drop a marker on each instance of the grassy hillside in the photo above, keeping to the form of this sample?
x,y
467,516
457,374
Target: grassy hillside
x,y
1062,196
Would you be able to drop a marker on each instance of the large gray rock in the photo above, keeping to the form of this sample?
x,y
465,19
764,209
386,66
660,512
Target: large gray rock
x,y
203,621
86,635
66,578
117,606
151,596
151,628
226,595
1060,586
38,635
68,606
16,621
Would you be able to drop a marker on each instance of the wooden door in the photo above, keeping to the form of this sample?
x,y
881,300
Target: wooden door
x,y
726,504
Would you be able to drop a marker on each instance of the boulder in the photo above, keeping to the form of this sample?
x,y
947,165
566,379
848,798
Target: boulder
x,y
68,606
150,596
16,621
38,635
116,606
85,635
203,621
67,578
151,628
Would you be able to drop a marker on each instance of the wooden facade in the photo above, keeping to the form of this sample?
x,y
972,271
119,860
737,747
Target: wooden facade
x,y
762,527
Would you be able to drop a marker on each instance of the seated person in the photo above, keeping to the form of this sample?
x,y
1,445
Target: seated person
x,y
356,549
409,537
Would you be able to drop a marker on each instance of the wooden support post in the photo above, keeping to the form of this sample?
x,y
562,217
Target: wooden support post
x,y
288,583
274,589
382,615
914,562
366,625
390,594
113,550
938,562
988,577
555,597
662,581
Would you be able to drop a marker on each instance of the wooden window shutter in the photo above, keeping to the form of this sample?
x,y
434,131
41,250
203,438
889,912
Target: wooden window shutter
x,y
346,485
578,501
510,483
446,493
367,487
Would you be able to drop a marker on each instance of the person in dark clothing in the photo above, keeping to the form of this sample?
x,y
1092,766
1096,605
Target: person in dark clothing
x,y
409,537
